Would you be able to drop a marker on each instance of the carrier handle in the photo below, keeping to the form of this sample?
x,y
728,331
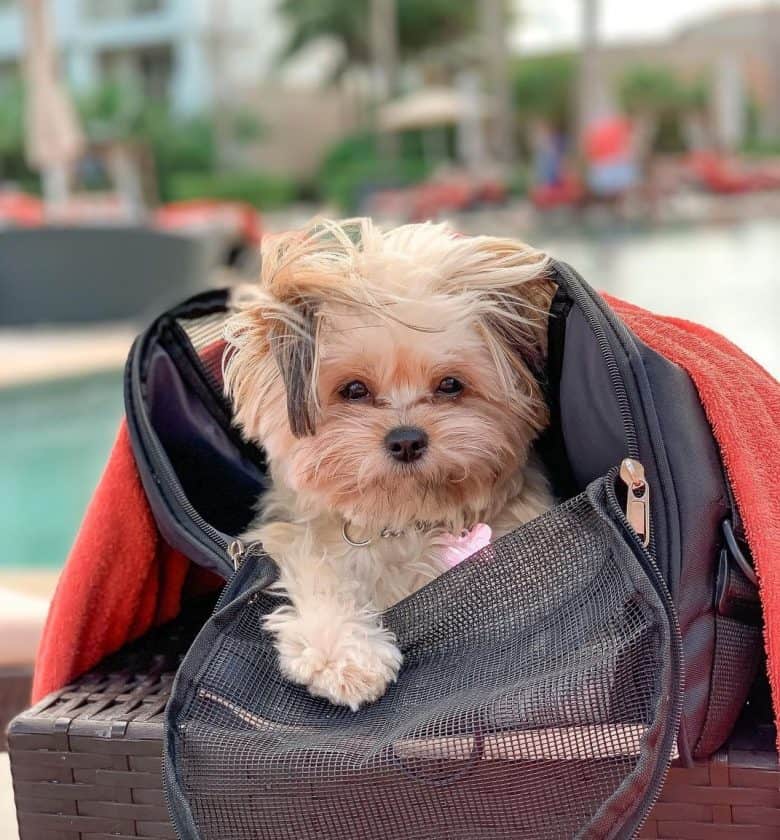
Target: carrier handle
x,y
736,588
737,554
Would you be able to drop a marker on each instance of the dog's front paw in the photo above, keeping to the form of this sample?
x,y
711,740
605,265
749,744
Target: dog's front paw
x,y
349,666
355,674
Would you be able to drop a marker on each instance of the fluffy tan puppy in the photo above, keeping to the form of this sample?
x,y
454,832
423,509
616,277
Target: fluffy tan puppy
x,y
390,378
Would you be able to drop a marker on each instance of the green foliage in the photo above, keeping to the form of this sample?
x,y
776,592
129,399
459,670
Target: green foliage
x,y
113,111
11,117
756,147
695,95
433,23
669,136
360,146
264,191
184,150
353,167
519,180
178,145
110,111
543,88
13,166
119,112
420,25
246,127
652,89
654,92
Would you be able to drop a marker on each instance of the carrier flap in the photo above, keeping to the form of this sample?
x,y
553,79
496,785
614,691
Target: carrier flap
x,y
202,480
539,698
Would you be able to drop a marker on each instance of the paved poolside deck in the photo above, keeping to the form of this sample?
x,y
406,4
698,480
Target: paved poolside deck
x,y
38,353
40,583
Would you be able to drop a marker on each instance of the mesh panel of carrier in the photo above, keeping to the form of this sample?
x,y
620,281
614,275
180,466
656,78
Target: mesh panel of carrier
x,y
205,333
531,702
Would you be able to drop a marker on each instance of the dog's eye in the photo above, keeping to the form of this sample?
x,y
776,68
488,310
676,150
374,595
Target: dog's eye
x,y
449,386
354,391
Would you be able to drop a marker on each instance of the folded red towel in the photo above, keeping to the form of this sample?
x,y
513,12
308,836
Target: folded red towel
x,y
121,579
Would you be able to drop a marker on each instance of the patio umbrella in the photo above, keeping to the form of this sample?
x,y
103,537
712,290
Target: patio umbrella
x,y
434,108
53,138
426,108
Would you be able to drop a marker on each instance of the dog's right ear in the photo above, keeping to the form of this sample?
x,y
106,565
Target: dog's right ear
x,y
273,335
269,340
275,331
293,345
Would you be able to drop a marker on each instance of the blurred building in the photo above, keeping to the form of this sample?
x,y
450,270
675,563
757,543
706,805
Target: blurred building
x,y
737,51
189,51
199,55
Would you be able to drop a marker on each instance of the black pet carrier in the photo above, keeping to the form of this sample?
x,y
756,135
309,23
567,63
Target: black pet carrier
x,y
548,680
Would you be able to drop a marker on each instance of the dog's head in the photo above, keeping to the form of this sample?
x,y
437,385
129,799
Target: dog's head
x,y
391,376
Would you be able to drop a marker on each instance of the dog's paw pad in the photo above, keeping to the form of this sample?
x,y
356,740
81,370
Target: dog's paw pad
x,y
301,663
351,673
358,677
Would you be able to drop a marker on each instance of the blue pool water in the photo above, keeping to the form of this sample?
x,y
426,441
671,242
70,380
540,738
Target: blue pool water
x,y
54,440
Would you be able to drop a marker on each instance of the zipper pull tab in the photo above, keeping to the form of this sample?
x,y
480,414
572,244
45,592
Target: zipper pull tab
x,y
632,474
236,551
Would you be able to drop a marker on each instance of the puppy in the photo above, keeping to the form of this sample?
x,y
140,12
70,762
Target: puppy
x,y
390,378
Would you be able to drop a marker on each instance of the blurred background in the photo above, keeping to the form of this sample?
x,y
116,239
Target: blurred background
x,y
146,146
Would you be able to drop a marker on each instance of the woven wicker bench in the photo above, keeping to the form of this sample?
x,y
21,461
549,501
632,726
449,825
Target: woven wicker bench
x,y
86,760
15,686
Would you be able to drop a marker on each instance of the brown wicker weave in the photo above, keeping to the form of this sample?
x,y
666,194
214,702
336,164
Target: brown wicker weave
x,y
736,794
86,761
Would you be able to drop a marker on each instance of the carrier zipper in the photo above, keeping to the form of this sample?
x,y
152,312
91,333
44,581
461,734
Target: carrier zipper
x,y
630,472
637,509
235,552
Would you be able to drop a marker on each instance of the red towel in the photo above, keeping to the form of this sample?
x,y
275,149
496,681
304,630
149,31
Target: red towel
x,y
121,579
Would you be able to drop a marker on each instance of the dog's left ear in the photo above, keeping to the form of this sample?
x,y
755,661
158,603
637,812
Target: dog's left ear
x,y
515,285
514,289
520,323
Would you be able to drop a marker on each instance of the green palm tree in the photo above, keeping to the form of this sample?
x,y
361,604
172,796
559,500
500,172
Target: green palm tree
x,y
421,25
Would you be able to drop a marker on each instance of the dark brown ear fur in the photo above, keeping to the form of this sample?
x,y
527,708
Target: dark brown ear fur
x,y
294,351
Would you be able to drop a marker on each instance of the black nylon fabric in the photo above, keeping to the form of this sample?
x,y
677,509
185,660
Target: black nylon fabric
x,y
538,699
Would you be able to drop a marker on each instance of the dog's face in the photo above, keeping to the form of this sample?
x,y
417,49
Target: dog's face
x,y
394,406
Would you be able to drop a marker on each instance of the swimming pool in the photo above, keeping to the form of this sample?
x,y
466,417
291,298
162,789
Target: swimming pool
x,y
54,440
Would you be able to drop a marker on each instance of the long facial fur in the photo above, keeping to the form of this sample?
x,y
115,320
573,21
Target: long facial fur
x,y
398,310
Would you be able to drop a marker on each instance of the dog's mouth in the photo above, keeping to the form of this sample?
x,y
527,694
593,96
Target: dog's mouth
x,y
420,476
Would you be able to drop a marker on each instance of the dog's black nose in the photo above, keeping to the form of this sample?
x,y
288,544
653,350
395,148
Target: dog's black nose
x,y
406,443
